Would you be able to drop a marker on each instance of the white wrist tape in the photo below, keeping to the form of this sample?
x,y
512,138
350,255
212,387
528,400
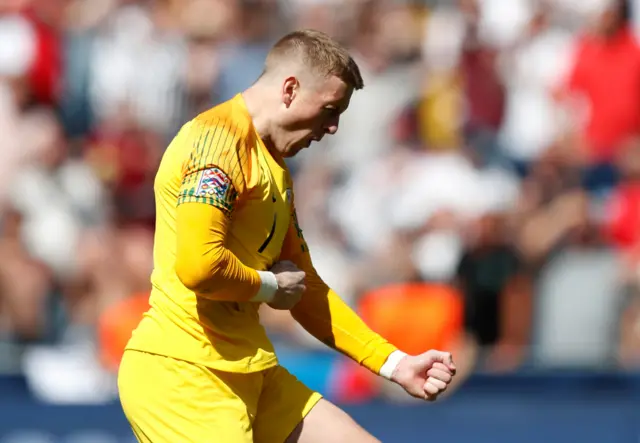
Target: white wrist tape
x,y
390,365
268,287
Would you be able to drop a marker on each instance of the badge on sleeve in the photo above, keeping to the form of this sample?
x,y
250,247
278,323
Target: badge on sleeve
x,y
215,184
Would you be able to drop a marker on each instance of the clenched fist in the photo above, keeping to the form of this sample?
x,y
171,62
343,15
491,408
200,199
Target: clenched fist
x,y
426,375
290,285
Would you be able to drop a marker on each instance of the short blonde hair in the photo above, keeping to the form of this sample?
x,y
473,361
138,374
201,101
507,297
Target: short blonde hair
x,y
317,51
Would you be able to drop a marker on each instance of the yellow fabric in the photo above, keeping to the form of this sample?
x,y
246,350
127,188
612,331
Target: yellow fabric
x,y
197,314
261,407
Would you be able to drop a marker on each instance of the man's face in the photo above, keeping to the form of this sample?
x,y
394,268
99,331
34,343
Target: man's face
x,y
311,109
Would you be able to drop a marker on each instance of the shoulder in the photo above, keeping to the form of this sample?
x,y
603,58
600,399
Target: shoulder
x,y
228,118
221,140
223,129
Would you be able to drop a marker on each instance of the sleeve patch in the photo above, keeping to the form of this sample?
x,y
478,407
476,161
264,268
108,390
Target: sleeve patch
x,y
212,186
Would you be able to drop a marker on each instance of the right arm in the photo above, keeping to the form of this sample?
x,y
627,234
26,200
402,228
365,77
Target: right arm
x,y
205,266
214,178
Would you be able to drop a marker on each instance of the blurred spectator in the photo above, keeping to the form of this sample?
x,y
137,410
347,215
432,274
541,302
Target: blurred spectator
x,y
490,277
125,157
25,285
54,193
484,92
605,77
533,68
621,228
136,36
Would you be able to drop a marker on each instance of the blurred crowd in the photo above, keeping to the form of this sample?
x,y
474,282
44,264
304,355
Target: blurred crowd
x,y
482,194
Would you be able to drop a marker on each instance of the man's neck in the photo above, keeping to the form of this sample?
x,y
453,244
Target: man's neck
x,y
255,101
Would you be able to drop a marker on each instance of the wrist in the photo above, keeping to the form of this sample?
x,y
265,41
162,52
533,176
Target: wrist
x,y
388,369
268,287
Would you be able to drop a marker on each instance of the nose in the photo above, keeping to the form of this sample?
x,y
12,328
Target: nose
x,y
332,126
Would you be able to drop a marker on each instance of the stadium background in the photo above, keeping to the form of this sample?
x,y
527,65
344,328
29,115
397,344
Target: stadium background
x,y
482,195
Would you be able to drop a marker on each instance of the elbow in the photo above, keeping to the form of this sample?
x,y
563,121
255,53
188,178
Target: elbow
x,y
195,275
190,277
199,269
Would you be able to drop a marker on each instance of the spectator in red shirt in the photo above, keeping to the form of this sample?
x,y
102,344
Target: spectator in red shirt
x,y
606,74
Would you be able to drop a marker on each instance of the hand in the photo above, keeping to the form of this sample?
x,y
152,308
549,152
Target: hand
x,y
290,285
426,375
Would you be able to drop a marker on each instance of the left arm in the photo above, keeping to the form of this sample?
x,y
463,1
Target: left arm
x,y
329,319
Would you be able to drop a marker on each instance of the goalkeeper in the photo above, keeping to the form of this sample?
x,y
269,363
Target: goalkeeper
x,y
199,367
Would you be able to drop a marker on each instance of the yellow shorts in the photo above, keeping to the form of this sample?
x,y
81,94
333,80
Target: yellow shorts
x,y
170,401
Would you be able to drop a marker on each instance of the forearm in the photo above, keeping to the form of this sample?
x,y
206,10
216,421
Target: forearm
x,y
329,319
205,266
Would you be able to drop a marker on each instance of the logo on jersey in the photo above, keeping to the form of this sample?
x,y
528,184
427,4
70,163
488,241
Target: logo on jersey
x,y
289,193
215,184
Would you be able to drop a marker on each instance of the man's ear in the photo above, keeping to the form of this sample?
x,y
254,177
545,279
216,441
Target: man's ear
x,y
289,90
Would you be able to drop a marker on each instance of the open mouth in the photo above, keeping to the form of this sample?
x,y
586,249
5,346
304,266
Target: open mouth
x,y
310,140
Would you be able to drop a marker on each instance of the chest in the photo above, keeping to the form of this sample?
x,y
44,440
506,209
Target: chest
x,y
261,220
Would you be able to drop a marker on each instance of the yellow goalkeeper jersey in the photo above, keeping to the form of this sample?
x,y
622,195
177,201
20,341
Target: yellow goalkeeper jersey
x,y
218,160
